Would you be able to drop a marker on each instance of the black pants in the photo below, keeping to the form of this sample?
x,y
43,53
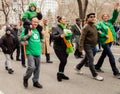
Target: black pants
x,y
77,53
17,48
62,56
22,55
88,56
47,57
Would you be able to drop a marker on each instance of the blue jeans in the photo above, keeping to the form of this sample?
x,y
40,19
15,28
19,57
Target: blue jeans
x,y
33,68
94,50
107,52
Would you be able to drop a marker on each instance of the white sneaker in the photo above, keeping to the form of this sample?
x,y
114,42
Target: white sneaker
x,y
78,71
99,78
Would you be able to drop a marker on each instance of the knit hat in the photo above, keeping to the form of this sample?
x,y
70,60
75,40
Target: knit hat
x,y
8,29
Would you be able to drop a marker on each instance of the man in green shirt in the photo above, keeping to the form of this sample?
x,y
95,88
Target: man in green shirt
x,y
33,52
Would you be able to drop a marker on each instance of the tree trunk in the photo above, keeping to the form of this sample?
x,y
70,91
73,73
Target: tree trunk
x,y
82,9
6,19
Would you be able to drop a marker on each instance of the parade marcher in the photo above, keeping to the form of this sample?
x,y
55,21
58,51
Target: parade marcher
x,y
23,62
76,29
17,43
60,47
33,52
107,35
33,11
46,41
88,41
7,42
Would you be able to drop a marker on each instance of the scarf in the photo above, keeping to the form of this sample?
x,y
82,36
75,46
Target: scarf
x,y
63,26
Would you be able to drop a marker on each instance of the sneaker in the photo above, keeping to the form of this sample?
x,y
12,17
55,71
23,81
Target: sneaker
x,y
99,78
24,65
78,71
117,76
38,85
10,71
99,70
18,59
25,82
49,61
6,68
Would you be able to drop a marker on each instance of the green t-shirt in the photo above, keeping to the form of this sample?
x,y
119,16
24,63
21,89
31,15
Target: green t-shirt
x,y
34,44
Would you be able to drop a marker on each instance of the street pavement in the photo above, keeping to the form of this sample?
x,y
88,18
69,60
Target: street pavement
x,y
78,84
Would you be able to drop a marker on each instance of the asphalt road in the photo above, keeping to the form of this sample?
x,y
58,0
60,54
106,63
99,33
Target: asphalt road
x,y
78,84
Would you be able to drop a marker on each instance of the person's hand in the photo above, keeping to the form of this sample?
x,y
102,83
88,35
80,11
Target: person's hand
x,y
38,10
116,6
99,31
31,26
43,31
107,36
29,32
62,35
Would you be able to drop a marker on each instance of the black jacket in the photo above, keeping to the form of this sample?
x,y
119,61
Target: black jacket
x,y
7,43
59,43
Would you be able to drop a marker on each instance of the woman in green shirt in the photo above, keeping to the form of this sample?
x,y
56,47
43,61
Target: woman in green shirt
x,y
106,36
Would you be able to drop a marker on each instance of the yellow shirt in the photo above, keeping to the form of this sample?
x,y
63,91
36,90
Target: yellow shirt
x,y
110,39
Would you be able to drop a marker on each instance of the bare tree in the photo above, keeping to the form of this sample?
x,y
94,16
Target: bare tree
x,y
22,5
5,9
82,6
100,7
65,9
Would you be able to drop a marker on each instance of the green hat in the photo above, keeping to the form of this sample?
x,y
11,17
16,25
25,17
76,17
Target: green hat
x,y
32,4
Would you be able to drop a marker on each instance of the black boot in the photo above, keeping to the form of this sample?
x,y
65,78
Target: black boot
x,y
59,76
48,58
65,77
25,82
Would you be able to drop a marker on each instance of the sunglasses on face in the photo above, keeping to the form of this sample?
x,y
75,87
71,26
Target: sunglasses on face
x,y
92,16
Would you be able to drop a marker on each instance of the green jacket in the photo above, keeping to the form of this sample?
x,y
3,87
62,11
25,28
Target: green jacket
x,y
34,44
30,14
102,26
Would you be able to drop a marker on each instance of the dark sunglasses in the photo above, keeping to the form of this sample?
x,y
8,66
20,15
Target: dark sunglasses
x,y
92,16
